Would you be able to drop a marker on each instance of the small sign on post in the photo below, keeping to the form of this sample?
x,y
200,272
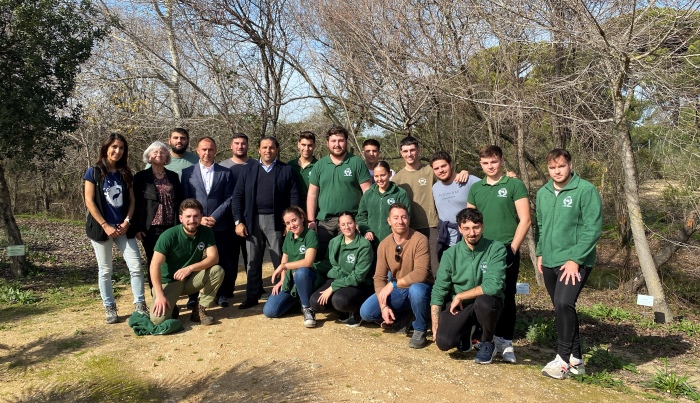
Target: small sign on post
x,y
15,250
645,300
522,288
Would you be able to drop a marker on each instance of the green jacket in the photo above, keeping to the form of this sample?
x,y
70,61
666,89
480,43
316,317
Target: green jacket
x,y
462,269
142,325
374,209
568,224
351,264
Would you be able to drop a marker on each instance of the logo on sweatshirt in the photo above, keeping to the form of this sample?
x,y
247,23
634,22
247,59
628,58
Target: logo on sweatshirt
x,y
422,181
483,266
502,192
567,202
350,258
302,249
200,246
348,172
390,201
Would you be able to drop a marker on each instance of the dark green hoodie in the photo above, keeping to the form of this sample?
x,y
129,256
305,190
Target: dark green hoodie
x,y
351,264
568,224
374,209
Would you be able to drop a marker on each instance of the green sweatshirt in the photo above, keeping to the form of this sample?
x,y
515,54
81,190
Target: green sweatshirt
x,y
374,209
351,263
568,224
462,269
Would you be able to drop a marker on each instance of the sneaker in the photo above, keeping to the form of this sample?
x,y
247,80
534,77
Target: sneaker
x,y
343,318
557,368
111,313
418,340
466,345
576,366
309,317
354,320
486,353
141,308
222,301
505,348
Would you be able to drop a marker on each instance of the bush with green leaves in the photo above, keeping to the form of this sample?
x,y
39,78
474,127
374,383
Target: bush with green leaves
x,y
673,384
14,294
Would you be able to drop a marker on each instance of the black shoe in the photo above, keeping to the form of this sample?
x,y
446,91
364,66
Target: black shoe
x,y
192,304
248,303
176,312
223,302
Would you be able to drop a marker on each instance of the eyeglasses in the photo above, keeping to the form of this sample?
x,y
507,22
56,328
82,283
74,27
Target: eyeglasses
x,y
398,251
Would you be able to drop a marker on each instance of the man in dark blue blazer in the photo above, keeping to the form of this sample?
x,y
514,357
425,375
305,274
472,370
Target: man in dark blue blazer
x,y
212,185
263,191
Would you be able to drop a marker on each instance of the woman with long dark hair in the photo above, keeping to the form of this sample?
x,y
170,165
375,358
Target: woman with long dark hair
x,y
109,198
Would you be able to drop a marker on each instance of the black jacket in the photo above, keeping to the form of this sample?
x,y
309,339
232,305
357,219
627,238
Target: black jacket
x,y
147,200
285,194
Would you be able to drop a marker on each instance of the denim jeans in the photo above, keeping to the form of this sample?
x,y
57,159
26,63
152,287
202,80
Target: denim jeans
x,y
402,301
103,253
278,305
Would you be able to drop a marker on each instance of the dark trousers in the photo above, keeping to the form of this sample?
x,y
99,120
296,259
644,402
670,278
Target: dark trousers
x,y
432,235
564,297
224,248
149,242
346,299
262,235
506,324
237,248
485,310
326,230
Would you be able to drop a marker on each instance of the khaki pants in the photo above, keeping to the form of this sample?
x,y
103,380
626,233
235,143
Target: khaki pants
x,y
207,280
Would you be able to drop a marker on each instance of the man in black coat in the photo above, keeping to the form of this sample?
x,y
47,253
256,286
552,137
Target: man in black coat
x,y
263,191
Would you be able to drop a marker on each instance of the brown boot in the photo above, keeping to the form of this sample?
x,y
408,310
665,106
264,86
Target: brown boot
x,y
199,314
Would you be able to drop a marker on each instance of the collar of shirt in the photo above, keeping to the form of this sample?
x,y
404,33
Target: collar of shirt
x,y
268,168
207,176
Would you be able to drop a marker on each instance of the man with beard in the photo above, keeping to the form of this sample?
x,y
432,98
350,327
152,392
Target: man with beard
x,y
336,184
405,293
303,165
469,285
179,141
263,192
185,261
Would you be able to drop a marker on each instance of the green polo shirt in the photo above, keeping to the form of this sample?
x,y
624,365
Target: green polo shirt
x,y
497,203
302,176
181,250
295,248
338,185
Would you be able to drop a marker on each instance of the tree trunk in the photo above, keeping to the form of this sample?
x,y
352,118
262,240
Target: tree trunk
x,y
662,311
525,177
18,264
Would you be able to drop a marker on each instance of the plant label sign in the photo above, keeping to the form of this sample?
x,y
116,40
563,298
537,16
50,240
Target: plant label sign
x,y
15,250
645,300
522,288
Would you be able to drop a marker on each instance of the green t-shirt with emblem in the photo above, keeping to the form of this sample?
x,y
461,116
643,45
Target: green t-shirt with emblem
x,y
302,176
295,249
181,250
497,203
338,185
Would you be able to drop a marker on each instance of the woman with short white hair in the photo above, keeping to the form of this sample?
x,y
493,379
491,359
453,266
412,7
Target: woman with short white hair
x,y
158,194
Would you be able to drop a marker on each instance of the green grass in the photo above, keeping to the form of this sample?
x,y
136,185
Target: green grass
x,y
685,326
601,378
541,332
603,312
602,358
673,384
12,293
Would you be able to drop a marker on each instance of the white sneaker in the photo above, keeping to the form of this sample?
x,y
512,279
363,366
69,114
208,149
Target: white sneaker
x,y
576,366
557,368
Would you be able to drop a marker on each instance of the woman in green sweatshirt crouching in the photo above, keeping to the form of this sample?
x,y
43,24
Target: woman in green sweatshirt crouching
x,y
349,281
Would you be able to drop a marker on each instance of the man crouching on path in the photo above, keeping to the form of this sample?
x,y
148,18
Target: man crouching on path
x,y
472,274
185,261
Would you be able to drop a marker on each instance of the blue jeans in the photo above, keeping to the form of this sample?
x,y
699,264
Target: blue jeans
x,y
278,305
103,253
402,301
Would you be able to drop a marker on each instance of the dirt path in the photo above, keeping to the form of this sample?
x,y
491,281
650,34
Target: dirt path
x,y
68,354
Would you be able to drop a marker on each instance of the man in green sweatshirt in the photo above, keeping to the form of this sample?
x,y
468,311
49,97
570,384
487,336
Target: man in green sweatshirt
x,y
569,222
469,285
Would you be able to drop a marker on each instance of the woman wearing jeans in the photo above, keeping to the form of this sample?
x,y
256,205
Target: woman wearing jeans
x,y
109,198
299,252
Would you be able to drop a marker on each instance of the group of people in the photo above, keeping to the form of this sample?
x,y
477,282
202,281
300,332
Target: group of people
x,y
422,250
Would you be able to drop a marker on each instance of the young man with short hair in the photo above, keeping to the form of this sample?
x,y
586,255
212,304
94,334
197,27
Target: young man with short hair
x,y
336,184
180,158
503,202
371,149
303,165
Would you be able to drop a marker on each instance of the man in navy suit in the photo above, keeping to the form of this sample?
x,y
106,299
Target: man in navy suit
x,y
212,185
263,191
